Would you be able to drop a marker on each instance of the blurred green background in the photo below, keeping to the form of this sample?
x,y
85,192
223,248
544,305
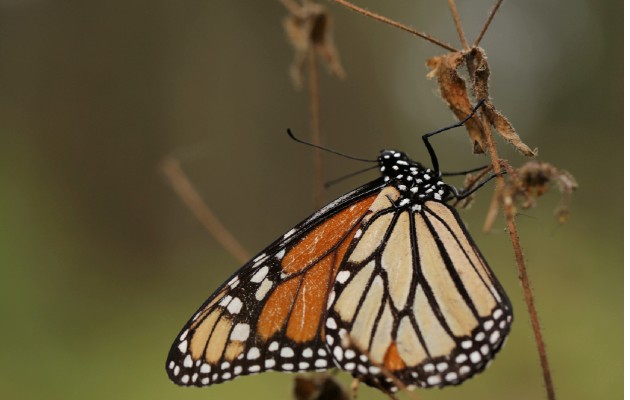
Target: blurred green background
x,y
101,264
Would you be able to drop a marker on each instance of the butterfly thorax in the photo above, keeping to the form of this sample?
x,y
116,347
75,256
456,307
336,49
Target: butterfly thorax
x,y
415,182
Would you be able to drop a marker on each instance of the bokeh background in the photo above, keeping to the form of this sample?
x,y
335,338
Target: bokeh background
x,y
101,264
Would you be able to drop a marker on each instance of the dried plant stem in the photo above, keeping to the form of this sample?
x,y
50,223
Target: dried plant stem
x,y
186,191
458,25
533,314
318,180
520,261
488,22
398,25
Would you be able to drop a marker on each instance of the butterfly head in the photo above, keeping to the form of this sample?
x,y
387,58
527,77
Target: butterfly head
x,y
412,179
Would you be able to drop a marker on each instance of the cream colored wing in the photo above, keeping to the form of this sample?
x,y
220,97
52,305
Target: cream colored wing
x,y
414,302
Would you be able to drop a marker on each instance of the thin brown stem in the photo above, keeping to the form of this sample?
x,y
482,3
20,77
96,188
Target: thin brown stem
x,y
531,307
318,180
520,260
458,25
488,22
186,191
398,25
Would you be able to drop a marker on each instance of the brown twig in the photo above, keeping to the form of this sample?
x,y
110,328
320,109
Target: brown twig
x,y
520,260
186,191
458,25
488,22
398,25
318,176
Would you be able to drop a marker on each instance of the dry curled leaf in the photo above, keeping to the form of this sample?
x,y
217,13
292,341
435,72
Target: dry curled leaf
x,y
310,27
318,387
529,182
465,74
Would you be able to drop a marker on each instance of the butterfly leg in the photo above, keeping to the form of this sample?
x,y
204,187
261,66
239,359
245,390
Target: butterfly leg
x,y
466,172
426,136
462,194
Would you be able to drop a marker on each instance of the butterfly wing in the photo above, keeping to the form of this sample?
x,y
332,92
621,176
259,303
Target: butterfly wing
x,y
415,302
268,315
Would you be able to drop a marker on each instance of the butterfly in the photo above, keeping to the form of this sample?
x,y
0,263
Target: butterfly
x,y
384,282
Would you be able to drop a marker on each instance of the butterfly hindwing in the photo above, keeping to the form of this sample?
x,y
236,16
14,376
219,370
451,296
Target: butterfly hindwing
x,y
415,303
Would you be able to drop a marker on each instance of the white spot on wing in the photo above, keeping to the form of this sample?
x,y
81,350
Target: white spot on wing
x,y
253,353
240,332
235,306
263,289
343,276
225,301
183,346
287,352
260,274
188,361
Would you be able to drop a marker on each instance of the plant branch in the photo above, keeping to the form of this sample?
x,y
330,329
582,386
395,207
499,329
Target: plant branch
x,y
318,180
398,25
520,260
488,22
187,193
458,25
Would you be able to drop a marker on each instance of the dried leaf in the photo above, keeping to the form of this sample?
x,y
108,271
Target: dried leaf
x,y
529,182
455,91
310,27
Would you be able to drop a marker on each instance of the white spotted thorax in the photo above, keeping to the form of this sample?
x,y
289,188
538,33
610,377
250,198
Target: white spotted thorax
x,y
415,182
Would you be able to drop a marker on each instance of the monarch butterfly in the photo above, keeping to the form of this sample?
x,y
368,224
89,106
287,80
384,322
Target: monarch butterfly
x,y
384,282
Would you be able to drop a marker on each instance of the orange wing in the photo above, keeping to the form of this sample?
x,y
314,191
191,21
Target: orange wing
x,y
269,315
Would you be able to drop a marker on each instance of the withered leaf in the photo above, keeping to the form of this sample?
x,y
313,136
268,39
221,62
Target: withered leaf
x,y
529,182
454,91
453,72
310,27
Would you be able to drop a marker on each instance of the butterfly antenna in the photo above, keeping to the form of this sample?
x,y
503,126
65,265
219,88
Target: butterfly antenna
x,y
292,136
426,136
341,178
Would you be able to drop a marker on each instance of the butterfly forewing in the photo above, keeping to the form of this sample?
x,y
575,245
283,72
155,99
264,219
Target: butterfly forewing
x,y
269,315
